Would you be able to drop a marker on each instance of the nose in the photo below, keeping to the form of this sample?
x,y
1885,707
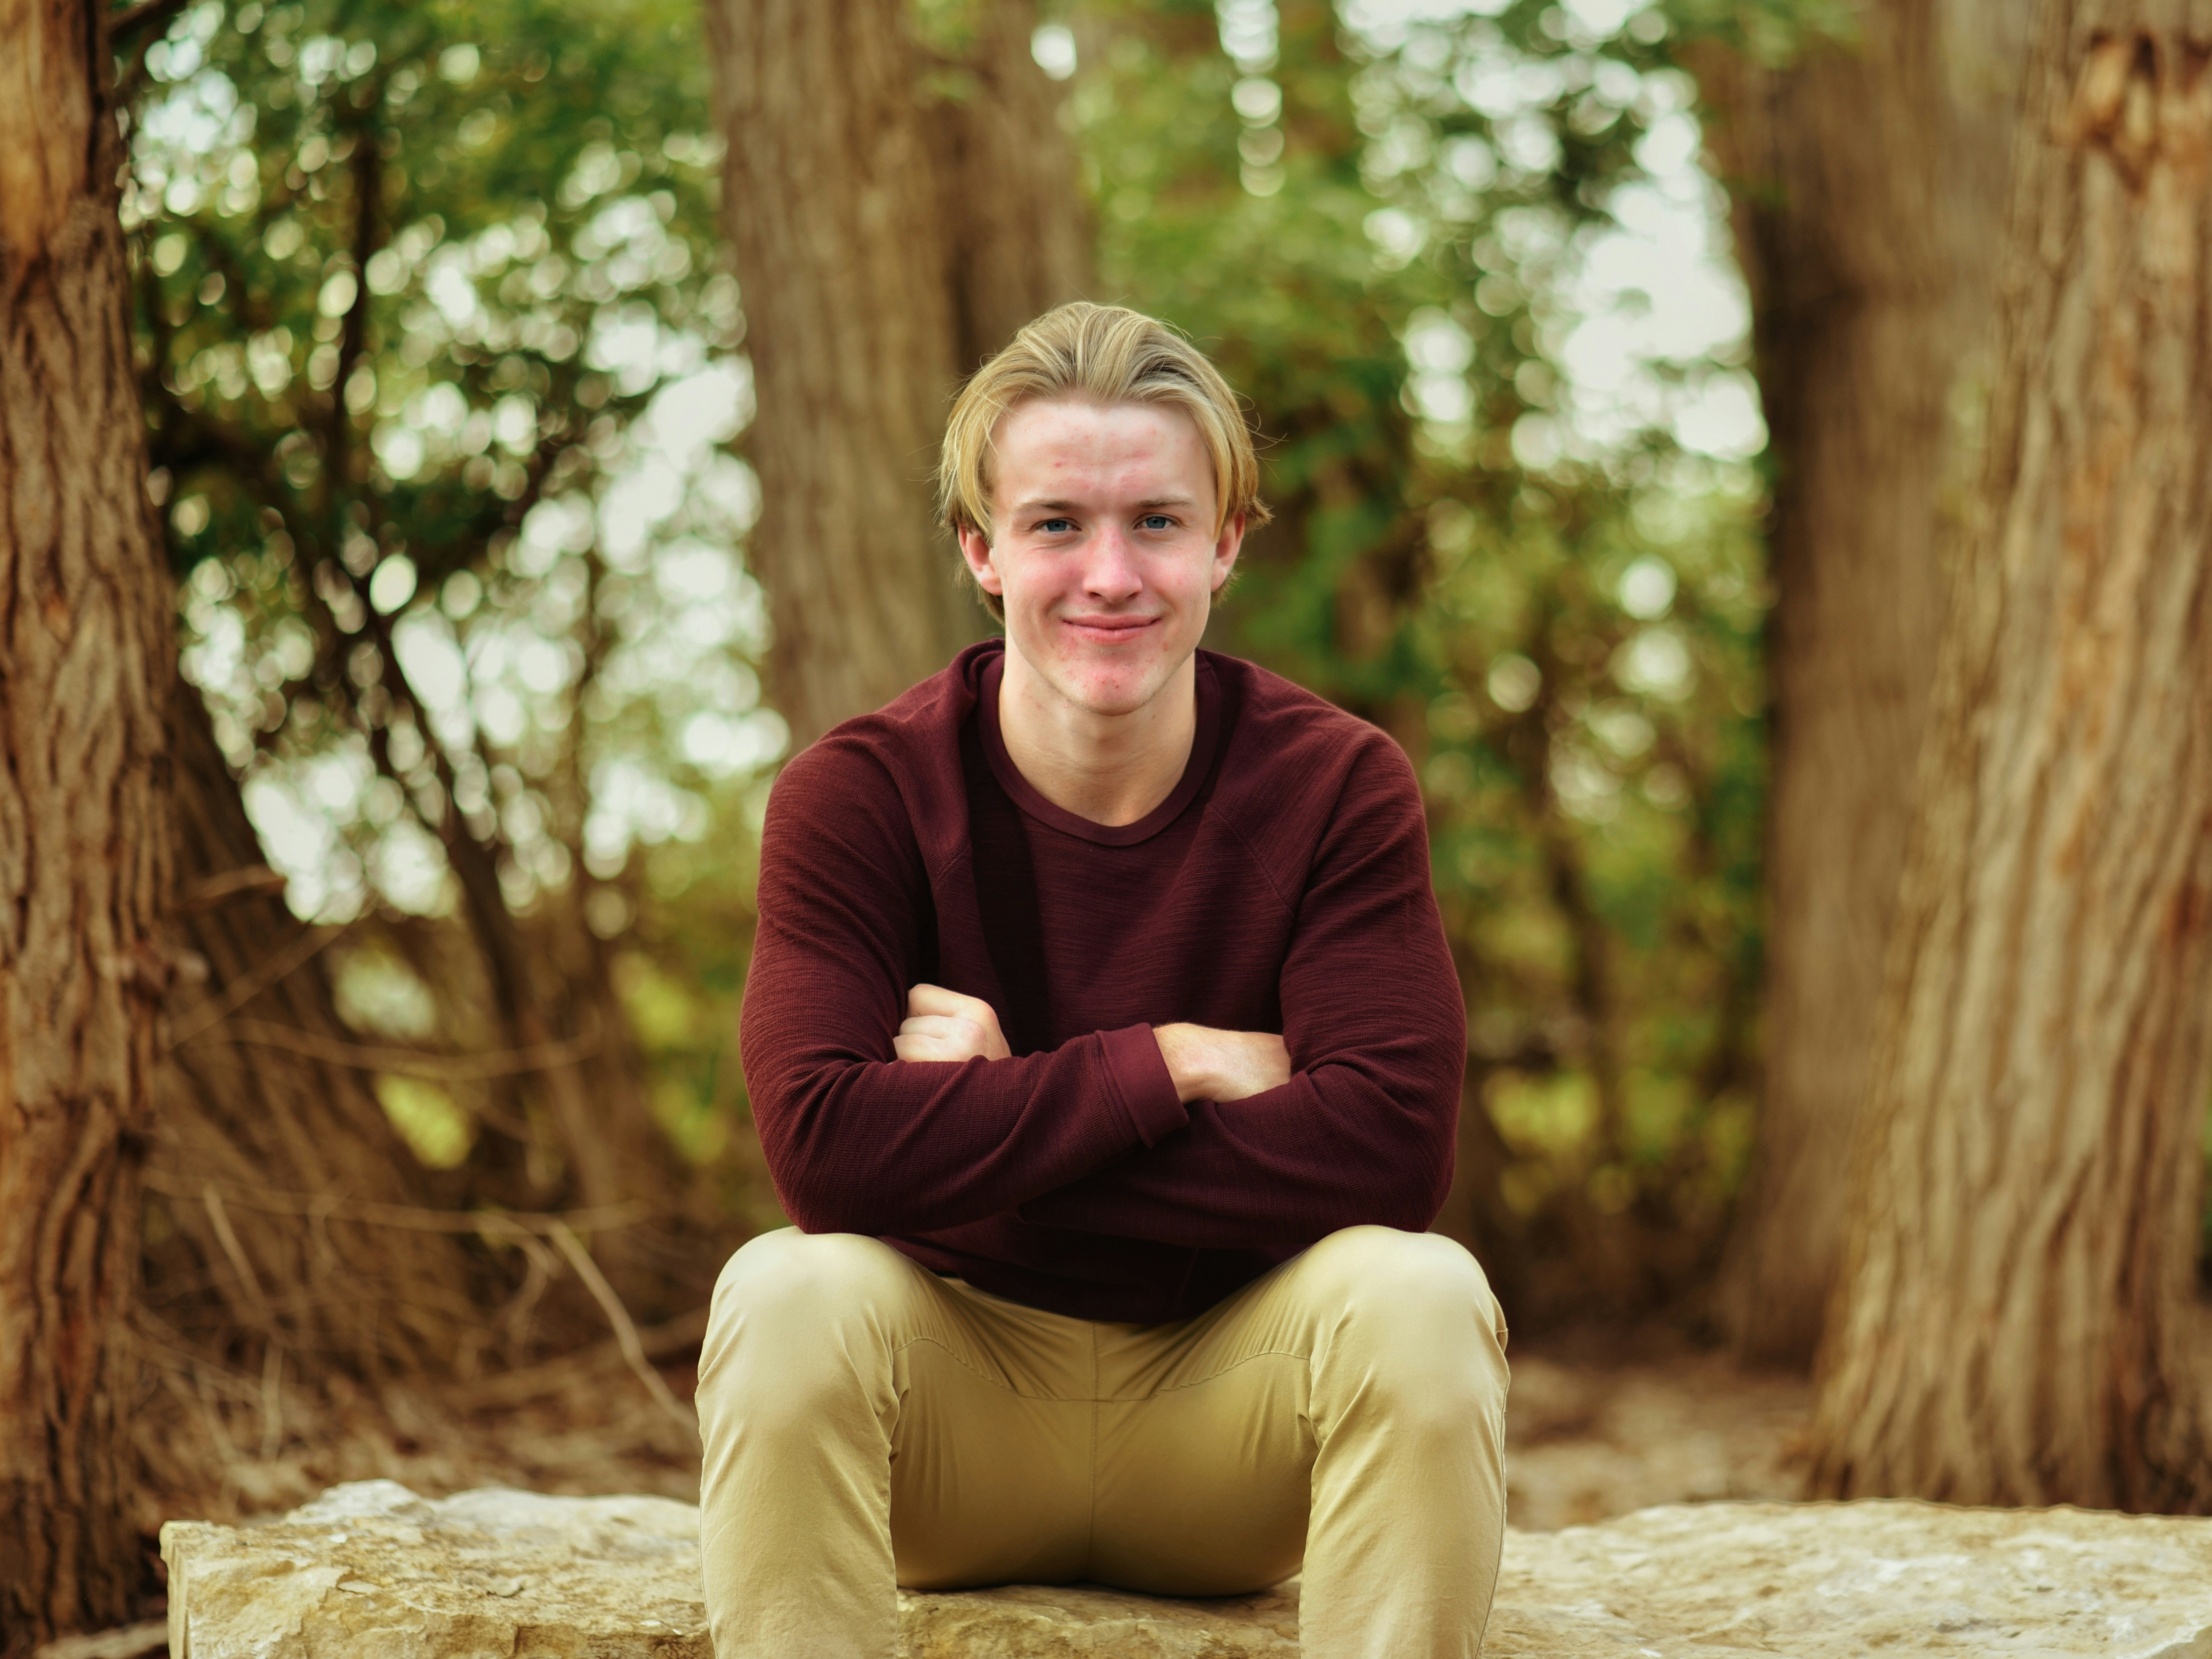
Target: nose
x,y
1109,568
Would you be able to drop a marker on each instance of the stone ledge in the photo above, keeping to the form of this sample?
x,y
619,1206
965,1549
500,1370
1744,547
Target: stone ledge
x,y
372,1571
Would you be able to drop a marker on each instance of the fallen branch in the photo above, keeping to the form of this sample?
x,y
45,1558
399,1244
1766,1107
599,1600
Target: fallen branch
x,y
219,1219
513,1388
413,1062
606,1217
289,960
254,880
625,1332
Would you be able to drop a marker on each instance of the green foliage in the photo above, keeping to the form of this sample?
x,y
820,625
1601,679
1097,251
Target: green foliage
x,y
442,365
1385,230
439,357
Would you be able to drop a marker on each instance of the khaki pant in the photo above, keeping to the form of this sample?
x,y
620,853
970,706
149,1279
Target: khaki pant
x,y
870,1424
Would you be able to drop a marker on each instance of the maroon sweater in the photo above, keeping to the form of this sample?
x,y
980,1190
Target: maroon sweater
x,y
1284,886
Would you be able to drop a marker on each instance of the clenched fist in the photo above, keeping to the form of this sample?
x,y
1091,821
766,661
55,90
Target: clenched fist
x,y
942,1025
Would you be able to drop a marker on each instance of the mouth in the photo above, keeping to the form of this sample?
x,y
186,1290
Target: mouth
x,y
1108,630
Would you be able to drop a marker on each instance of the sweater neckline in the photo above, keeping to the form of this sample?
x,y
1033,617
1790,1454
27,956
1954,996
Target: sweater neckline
x,y
1026,796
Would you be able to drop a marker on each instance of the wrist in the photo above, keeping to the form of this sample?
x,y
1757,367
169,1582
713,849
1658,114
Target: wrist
x,y
1183,1048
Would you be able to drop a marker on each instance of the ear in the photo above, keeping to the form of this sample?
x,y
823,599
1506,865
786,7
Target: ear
x,y
1226,546
977,550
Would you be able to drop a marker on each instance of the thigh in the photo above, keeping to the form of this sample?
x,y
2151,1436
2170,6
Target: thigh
x,y
991,1467
833,1365
1205,1448
988,1486
1204,1487
1210,1430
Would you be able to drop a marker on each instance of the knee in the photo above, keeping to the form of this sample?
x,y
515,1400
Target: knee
x,y
1417,1308
789,1296
788,1273
1386,1274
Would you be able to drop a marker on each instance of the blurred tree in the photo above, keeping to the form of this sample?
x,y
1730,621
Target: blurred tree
x,y
900,198
1512,462
85,842
1406,237
1868,182
2018,1319
415,284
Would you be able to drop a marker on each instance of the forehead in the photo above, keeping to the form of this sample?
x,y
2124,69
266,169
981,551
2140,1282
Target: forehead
x,y
1053,446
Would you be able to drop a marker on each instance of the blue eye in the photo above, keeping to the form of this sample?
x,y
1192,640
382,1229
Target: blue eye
x,y
1156,521
1054,526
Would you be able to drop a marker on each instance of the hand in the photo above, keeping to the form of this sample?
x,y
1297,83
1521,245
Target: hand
x,y
942,1025
1210,1065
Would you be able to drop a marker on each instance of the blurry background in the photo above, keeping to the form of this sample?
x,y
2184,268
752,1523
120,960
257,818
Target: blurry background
x,y
1618,365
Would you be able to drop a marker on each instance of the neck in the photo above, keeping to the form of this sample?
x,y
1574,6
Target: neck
x,y
1111,768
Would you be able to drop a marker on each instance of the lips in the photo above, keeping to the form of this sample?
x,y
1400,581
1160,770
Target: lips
x,y
1109,628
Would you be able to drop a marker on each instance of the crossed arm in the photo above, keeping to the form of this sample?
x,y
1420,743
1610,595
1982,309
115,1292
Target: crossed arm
x,y
1206,1064
1177,1133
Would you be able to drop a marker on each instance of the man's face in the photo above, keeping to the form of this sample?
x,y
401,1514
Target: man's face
x,y
1103,552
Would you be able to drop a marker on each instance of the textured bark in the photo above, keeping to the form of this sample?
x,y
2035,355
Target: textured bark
x,y
895,215
1020,239
2016,1322
1870,182
86,659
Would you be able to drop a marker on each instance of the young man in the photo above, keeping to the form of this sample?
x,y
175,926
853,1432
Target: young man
x,y
1106,1049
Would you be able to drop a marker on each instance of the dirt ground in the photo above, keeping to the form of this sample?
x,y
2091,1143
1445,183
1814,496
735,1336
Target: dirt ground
x,y
1598,1425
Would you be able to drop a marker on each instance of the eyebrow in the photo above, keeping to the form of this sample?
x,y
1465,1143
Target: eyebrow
x,y
1028,507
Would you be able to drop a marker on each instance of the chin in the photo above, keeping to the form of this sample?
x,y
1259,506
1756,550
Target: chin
x,y
1110,696
1120,691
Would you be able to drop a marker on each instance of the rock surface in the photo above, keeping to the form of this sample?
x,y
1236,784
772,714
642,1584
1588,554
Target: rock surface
x,y
372,1571
1823,1580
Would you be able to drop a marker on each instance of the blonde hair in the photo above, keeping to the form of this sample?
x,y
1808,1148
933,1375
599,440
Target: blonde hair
x,y
1105,355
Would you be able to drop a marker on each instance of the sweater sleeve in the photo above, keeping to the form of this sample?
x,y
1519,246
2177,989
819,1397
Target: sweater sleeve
x,y
856,1140
1366,1129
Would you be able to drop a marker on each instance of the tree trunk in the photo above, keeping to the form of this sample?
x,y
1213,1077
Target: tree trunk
x,y
1869,183
86,660
2017,1316
1020,240
895,213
